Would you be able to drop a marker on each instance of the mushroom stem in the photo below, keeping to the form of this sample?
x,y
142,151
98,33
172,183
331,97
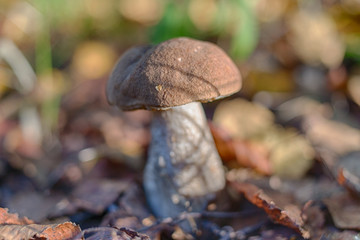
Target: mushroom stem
x,y
184,167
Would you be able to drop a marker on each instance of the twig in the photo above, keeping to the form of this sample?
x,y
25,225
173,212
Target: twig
x,y
130,233
228,233
206,214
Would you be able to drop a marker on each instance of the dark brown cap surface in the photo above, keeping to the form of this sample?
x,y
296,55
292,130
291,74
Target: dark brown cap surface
x,y
173,73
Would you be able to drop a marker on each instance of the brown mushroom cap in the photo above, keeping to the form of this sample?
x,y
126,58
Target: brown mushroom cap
x,y
173,73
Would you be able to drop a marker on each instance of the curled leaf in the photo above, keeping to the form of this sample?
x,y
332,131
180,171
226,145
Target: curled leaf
x,y
63,231
288,215
344,210
12,218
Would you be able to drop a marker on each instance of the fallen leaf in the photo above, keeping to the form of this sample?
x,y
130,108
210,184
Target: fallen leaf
x,y
290,153
128,132
134,201
247,154
288,215
132,213
337,137
254,155
93,195
61,231
308,189
243,119
348,172
12,218
123,219
345,211
34,205
301,107
13,228
223,141
314,219
258,142
96,195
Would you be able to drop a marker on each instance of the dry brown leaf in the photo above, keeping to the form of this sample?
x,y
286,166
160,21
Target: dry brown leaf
x,y
247,154
314,219
253,155
337,137
344,210
12,218
259,143
36,206
96,195
243,119
61,231
348,172
349,181
223,142
128,131
93,195
289,215
291,154
132,213
300,107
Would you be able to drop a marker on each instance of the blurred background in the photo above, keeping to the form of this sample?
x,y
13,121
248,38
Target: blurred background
x,y
299,59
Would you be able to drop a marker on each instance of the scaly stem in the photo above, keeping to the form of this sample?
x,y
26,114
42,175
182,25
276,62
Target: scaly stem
x,y
184,167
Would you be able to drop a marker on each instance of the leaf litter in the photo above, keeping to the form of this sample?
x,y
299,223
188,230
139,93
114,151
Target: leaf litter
x,y
291,149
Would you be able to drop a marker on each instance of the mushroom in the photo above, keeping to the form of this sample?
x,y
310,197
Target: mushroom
x,y
171,79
